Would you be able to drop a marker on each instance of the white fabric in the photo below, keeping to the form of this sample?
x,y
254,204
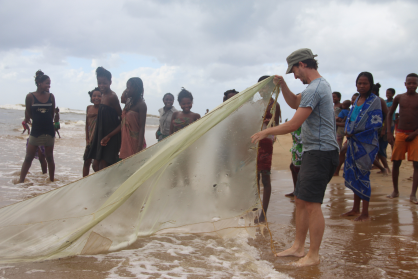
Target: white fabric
x,y
202,179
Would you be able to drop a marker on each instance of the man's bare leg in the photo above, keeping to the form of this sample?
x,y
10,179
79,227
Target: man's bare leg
x,y
395,177
341,159
294,170
302,226
383,170
413,196
356,208
316,232
265,178
385,163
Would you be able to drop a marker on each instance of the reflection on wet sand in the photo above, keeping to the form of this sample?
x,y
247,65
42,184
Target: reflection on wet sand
x,y
384,247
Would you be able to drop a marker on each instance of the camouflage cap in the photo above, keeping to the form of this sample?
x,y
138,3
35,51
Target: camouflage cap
x,y
298,56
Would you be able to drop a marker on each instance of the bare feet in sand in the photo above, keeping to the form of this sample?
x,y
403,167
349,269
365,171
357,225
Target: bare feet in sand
x,y
350,213
384,172
413,199
393,195
362,218
291,252
306,261
290,195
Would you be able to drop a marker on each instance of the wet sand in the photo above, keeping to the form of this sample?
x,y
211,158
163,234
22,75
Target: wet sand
x,y
384,247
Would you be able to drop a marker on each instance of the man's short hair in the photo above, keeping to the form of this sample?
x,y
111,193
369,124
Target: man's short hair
x,y
338,94
310,63
412,75
392,90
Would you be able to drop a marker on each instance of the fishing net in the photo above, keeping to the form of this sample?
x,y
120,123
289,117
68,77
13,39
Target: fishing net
x,y
202,179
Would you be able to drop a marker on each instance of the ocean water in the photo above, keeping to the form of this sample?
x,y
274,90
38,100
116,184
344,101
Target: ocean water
x,y
156,256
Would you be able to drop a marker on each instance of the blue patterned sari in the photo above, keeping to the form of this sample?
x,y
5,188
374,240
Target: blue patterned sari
x,y
362,146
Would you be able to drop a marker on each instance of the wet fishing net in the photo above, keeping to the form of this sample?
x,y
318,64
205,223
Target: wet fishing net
x,y
201,179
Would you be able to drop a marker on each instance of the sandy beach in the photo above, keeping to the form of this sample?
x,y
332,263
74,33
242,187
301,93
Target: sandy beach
x,y
384,247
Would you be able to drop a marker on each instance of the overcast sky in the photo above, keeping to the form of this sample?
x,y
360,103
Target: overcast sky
x,y
207,47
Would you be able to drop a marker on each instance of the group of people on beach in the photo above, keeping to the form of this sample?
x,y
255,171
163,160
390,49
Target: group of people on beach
x,y
318,128
368,127
112,134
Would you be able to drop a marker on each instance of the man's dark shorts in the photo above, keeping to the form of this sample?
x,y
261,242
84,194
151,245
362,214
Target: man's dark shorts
x,y
316,171
383,145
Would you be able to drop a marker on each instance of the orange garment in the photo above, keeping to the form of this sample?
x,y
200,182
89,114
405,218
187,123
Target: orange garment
x,y
130,134
401,147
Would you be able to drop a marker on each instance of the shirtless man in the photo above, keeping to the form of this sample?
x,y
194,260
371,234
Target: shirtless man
x,y
406,134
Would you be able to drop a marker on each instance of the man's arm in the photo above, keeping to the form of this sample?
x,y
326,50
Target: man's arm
x,y
389,118
291,99
385,112
292,125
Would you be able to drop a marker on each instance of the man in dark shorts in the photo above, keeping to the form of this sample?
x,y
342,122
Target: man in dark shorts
x,y
315,112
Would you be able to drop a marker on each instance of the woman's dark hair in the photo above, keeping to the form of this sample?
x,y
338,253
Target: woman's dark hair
x,y
91,92
102,72
230,91
168,94
376,89
369,76
138,87
263,78
392,90
338,94
40,77
184,94
310,63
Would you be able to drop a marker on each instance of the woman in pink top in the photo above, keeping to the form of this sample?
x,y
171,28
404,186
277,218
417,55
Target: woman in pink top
x,y
134,116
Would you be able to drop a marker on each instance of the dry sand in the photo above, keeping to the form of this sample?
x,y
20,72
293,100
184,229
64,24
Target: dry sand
x,y
384,247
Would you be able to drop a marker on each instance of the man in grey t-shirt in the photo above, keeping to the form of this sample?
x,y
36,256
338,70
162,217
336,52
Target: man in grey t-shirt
x,y
315,112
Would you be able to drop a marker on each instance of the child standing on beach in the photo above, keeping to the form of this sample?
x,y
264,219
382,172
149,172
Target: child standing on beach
x,y
57,125
106,153
134,116
406,134
25,126
40,108
265,155
166,114
91,119
183,118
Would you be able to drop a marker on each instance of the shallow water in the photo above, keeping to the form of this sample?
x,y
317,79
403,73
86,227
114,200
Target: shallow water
x,y
385,247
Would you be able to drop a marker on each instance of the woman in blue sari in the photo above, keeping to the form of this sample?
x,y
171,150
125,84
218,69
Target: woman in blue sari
x,y
361,126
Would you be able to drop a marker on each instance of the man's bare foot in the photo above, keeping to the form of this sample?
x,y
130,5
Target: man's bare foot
x,y
410,178
384,172
413,199
290,195
291,252
260,220
393,195
350,213
362,218
306,261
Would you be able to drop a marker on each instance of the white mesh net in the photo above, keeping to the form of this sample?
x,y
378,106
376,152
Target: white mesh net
x,y
200,180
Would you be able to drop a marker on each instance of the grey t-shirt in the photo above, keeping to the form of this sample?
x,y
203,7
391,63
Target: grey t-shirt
x,y
318,130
